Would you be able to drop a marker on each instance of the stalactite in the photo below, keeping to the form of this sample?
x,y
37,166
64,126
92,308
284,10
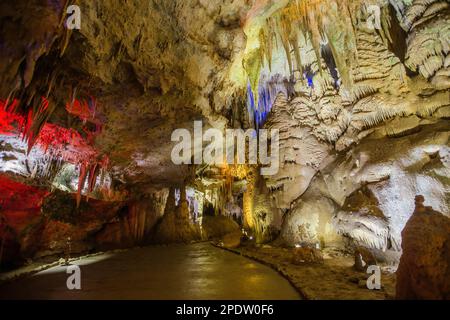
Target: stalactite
x,y
37,117
58,143
81,181
93,172
268,89
284,28
84,109
252,65
68,32
386,26
296,48
331,22
313,24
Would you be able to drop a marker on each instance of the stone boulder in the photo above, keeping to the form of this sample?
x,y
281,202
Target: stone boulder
x,y
364,258
232,239
424,269
306,255
216,227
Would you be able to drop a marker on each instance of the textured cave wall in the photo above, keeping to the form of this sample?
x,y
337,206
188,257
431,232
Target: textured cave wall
x,y
39,223
156,66
50,224
428,41
367,194
29,31
39,168
352,159
20,206
135,224
357,142
151,66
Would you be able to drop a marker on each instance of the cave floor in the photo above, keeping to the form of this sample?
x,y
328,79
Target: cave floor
x,y
334,279
197,271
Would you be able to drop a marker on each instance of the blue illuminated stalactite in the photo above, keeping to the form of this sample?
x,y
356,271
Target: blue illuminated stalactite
x,y
309,76
251,104
267,92
310,80
268,89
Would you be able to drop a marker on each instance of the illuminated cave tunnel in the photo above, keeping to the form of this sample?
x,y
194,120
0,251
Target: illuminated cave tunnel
x,y
147,127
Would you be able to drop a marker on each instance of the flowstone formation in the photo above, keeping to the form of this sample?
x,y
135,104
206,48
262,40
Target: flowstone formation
x,y
350,154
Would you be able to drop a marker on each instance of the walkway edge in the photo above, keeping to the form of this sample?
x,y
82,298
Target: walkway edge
x,y
15,275
273,266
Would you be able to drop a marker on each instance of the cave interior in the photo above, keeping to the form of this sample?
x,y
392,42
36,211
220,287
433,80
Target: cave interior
x,y
118,123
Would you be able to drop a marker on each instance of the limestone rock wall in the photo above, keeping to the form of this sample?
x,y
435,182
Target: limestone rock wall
x,y
351,159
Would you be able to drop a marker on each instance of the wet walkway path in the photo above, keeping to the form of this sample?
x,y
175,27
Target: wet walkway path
x,y
198,271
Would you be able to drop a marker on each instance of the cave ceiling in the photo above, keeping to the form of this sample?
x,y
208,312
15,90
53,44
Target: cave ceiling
x,y
154,66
